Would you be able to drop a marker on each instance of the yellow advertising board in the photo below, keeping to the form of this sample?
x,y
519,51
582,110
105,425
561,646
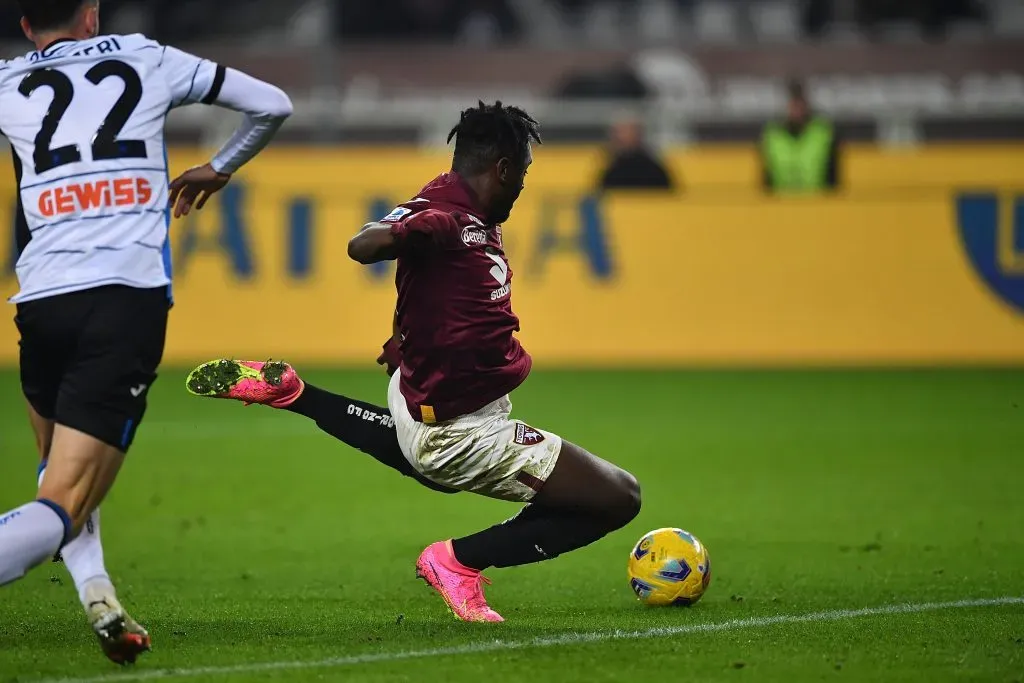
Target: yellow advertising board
x,y
921,262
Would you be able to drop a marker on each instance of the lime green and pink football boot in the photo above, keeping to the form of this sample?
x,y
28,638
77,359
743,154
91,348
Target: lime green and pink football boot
x,y
460,587
273,383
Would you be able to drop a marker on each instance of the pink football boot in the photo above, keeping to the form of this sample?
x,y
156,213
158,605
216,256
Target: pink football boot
x,y
273,383
461,587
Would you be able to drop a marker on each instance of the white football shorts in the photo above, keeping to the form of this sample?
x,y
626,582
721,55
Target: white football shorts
x,y
485,452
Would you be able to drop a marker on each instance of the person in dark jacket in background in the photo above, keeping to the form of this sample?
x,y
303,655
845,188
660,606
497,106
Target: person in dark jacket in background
x,y
633,165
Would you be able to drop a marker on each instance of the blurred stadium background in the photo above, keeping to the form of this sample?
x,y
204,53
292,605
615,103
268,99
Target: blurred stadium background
x,y
917,257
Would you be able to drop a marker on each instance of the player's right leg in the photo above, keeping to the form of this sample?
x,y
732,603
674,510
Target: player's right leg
x,y
80,471
86,382
582,500
363,426
83,557
575,498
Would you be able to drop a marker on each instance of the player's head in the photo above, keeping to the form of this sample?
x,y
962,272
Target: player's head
x,y
798,108
492,149
78,19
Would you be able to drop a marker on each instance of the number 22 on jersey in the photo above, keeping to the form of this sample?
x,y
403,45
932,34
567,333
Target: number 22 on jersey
x,y
106,144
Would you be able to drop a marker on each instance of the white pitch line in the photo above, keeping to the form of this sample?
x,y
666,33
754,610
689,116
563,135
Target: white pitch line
x,y
572,638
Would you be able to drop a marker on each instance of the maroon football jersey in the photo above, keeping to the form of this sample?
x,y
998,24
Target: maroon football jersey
x,y
454,306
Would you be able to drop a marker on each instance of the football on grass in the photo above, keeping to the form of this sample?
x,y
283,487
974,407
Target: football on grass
x,y
669,567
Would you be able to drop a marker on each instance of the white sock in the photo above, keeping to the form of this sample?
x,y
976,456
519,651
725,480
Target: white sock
x,y
29,536
83,557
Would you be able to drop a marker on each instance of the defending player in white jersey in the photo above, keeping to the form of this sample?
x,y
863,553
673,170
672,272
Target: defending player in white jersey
x,y
85,115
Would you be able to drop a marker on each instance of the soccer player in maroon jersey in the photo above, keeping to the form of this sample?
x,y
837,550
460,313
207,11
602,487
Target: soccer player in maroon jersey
x,y
458,360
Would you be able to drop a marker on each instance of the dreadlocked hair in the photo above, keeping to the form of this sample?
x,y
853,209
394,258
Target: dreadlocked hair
x,y
489,132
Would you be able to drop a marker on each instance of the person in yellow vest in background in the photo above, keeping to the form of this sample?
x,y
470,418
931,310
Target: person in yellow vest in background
x,y
801,154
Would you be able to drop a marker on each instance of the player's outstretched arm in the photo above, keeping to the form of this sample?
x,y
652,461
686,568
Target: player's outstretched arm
x,y
265,106
383,241
374,243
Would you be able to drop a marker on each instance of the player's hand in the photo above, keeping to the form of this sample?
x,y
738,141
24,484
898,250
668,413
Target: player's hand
x,y
198,182
390,357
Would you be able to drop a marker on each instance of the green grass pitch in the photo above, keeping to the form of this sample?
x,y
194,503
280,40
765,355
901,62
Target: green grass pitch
x,y
256,548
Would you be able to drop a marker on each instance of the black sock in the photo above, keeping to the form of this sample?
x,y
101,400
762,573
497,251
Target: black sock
x,y
535,534
363,426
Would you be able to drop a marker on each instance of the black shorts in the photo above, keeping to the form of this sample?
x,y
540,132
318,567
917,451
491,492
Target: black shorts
x,y
89,358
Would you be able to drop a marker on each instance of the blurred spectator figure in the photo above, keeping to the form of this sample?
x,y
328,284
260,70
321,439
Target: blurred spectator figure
x,y
632,164
800,154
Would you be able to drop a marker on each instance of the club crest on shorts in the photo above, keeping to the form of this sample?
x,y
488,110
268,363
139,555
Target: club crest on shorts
x,y
527,435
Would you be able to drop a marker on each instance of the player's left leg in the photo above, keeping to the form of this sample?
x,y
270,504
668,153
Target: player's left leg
x,y
33,532
364,426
